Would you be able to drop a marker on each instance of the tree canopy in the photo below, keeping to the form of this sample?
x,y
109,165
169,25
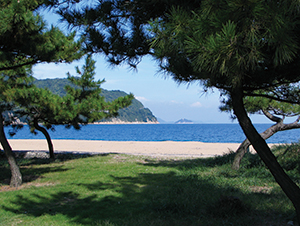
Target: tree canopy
x,y
25,39
230,44
117,28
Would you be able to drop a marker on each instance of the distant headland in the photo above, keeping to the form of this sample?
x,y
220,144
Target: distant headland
x,y
184,121
136,113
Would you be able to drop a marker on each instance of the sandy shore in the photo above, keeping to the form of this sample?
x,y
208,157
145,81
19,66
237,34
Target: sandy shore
x,y
166,148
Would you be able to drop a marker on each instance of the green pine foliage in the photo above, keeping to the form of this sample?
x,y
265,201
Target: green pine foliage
x,y
25,40
259,104
43,105
117,28
87,101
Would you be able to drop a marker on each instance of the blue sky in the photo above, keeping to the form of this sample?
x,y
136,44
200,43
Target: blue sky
x,y
166,99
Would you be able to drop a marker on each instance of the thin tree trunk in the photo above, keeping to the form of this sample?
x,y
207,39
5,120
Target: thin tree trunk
x,y
279,126
288,186
16,176
46,134
239,154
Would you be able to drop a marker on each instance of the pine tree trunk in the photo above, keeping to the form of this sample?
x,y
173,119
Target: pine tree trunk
x,y
242,150
46,134
288,186
16,176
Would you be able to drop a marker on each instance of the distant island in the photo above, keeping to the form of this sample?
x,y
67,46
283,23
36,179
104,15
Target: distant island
x,y
135,113
184,121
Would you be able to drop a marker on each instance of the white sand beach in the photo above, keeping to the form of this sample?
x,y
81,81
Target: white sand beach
x,y
165,148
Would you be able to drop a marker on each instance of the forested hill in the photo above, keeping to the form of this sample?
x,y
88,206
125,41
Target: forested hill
x,y
136,112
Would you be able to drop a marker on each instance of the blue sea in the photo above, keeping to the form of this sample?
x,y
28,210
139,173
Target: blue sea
x,y
222,133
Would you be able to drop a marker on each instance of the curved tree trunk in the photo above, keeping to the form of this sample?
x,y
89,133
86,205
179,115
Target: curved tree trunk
x,y
288,186
16,176
279,126
46,134
239,154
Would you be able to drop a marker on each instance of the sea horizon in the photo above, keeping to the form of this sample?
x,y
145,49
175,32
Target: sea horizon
x,y
205,132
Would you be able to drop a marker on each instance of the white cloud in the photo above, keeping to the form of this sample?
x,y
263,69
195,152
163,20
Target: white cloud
x,y
44,70
196,104
141,98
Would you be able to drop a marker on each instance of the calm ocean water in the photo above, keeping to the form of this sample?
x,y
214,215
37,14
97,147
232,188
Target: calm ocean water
x,y
222,133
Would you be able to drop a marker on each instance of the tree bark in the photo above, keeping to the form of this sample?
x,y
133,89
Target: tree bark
x,y
239,154
279,126
287,185
16,176
46,134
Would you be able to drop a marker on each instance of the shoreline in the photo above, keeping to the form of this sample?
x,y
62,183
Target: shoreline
x,y
146,148
123,122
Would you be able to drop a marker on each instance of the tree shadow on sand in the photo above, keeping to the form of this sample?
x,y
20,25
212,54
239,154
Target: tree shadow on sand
x,y
152,199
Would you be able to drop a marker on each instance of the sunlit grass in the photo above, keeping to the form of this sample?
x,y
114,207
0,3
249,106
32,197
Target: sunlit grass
x,y
117,190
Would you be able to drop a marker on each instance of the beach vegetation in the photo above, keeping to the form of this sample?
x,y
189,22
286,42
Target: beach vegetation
x,y
120,190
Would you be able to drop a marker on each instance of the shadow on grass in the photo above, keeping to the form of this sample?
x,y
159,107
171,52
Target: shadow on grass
x,y
192,163
251,167
150,199
30,174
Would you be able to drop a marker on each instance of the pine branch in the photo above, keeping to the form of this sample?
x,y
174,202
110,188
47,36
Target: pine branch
x,y
273,98
20,65
272,117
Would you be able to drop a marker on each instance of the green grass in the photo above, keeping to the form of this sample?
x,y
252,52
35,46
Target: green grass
x,y
117,190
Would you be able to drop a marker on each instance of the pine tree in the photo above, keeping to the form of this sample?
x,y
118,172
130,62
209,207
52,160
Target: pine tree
x,y
83,104
25,41
88,104
40,106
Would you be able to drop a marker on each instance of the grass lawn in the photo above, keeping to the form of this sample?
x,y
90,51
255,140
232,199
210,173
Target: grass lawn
x,y
115,190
